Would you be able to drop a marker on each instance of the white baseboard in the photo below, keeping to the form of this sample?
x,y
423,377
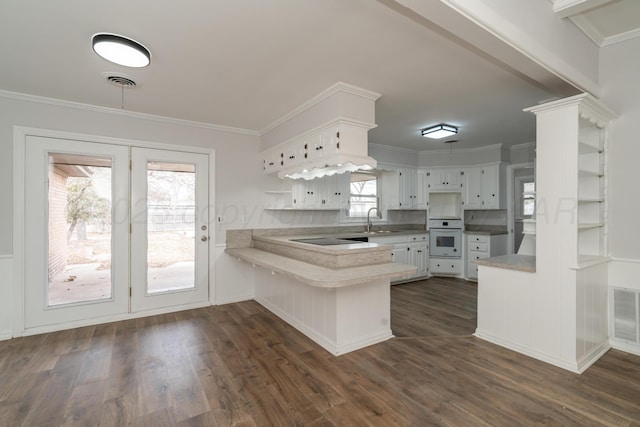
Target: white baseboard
x,y
239,298
626,347
593,357
6,297
109,319
321,340
569,365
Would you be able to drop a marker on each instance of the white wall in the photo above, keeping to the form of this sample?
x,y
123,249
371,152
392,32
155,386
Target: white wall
x,y
620,72
523,153
464,157
393,155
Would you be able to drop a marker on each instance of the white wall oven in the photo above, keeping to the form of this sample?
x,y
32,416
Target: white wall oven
x,y
445,238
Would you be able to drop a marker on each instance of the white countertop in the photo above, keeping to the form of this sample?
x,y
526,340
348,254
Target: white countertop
x,y
316,275
511,262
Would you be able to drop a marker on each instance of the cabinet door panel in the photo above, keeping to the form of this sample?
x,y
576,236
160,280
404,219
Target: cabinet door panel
x,y
474,189
490,187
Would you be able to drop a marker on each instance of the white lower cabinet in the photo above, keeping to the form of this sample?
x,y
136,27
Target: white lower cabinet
x,y
400,254
482,246
419,256
412,249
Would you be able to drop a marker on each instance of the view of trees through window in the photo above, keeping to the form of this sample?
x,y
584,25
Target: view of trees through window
x,y
364,193
80,227
79,238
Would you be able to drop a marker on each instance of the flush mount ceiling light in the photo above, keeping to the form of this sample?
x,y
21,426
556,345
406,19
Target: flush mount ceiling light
x,y
439,131
121,50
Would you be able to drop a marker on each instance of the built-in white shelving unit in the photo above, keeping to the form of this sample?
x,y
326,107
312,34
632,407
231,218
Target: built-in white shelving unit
x,y
576,200
559,312
591,197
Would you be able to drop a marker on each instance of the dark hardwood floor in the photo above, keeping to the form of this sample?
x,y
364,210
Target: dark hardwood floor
x,y
238,364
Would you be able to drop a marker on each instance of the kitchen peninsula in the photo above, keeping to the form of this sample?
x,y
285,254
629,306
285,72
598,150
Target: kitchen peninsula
x,y
337,294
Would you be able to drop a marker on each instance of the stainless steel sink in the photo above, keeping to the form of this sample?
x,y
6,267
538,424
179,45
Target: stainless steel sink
x,y
379,232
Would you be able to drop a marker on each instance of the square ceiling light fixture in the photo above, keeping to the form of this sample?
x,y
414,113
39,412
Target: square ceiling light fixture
x,y
121,50
439,131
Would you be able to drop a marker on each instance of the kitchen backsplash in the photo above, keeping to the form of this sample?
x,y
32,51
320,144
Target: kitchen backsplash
x,y
486,217
406,217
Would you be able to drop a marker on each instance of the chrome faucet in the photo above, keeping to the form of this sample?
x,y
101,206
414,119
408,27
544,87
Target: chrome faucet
x,y
369,224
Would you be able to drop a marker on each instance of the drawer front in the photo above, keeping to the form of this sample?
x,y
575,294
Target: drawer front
x,y
477,238
477,247
418,238
474,255
445,266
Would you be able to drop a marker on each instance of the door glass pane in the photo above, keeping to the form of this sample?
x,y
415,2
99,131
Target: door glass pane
x,y
79,228
170,226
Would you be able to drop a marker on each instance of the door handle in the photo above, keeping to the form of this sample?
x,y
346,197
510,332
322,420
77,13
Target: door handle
x,y
204,238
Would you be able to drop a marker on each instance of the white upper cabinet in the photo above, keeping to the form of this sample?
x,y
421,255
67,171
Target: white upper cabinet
x,y
336,143
399,189
422,189
331,192
327,133
485,188
294,154
445,179
335,192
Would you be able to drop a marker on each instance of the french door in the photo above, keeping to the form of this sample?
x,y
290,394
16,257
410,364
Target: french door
x,y
112,229
169,228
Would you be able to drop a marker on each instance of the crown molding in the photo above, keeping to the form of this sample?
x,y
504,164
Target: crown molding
x,y
627,35
567,8
464,150
338,87
124,113
590,108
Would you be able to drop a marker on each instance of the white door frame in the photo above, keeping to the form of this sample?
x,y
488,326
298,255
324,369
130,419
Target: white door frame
x,y
20,134
38,310
510,202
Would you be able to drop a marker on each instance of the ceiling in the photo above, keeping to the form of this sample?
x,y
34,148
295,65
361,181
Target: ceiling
x,y
604,21
245,64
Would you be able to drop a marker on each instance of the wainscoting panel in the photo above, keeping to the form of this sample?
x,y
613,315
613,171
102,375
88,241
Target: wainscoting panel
x,y
234,280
